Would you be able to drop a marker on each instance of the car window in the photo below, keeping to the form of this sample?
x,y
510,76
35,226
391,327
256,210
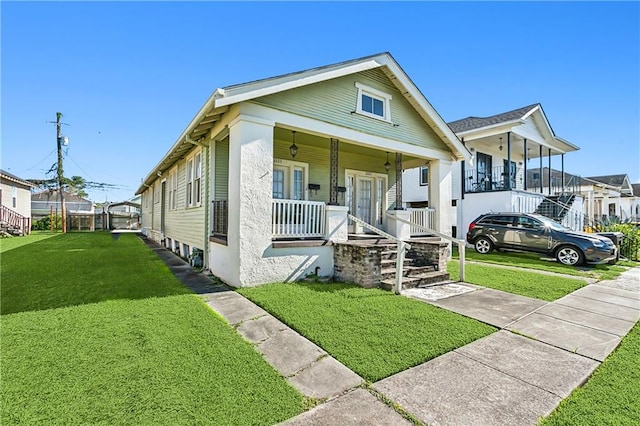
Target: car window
x,y
499,220
528,223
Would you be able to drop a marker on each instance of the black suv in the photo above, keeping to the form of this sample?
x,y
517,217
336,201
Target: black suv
x,y
536,233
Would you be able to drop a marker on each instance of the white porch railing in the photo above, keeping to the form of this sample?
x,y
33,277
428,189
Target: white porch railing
x,y
423,218
297,218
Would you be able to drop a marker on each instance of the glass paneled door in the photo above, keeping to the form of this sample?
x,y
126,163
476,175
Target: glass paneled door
x,y
366,198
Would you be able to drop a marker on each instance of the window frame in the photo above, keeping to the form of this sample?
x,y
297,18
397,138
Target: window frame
x,y
424,182
173,189
385,98
193,180
289,168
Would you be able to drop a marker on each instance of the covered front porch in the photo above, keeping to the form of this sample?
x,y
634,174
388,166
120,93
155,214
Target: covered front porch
x,y
316,181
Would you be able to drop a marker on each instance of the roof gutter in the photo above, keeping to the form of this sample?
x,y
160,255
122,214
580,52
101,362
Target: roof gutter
x,y
152,176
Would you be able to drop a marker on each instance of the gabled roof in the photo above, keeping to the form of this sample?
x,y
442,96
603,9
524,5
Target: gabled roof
x,y
51,195
471,123
13,178
612,180
636,189
511,121
222,99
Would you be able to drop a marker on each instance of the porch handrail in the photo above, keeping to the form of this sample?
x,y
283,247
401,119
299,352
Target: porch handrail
x,y
402,248
461,243
297,218
14,219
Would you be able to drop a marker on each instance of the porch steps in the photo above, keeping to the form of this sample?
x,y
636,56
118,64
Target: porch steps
x,y
412,275
7,229
555,207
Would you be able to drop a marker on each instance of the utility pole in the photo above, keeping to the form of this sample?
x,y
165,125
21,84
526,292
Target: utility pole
x,y
60,172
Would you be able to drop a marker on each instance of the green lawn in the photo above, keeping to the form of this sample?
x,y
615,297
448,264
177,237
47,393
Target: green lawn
x,y
524,283
11,243
612,394
535,261
96,330
373,332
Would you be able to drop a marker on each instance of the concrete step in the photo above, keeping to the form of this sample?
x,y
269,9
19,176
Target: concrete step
x,y
407,271
417,280
391,263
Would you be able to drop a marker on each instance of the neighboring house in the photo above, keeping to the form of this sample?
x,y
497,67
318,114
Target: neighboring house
x,y
261,181
15,198
506,147
611,196
80,212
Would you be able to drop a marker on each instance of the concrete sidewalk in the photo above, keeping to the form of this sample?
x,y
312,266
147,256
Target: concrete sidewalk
x,y
504,378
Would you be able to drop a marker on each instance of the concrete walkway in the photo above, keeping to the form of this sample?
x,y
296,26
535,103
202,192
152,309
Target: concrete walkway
x,y
504,378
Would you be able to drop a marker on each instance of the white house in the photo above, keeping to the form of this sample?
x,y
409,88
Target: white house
x,y
261,181
611,196
506,147
15,201
80,212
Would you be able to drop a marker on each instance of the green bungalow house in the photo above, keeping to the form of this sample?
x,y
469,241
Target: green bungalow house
x,y
271,176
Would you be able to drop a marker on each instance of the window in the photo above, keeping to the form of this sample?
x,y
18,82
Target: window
x,y
424,176
289,179
173,189
194,180
14,196
373,103
197,179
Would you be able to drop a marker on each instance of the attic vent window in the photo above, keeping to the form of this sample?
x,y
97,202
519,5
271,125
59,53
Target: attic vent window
x,y
373,103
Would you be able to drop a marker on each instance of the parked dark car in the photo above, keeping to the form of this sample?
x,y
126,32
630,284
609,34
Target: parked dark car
x,y
539,234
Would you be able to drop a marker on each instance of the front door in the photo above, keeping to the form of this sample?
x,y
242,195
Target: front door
x,y
366,198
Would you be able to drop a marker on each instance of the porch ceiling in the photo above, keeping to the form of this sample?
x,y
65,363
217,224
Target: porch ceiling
x,y
491,143
307,139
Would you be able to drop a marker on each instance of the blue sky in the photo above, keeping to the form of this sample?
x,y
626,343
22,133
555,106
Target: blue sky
x,y
129,77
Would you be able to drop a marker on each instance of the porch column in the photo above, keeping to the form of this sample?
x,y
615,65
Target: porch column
x,y
541,174
526,158
508,171
399,181
333,172
250,197
440,194
549,174
562,172
463,180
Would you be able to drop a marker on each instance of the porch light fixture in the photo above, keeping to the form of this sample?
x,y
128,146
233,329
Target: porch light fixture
x,y
387,165
293,149
500,144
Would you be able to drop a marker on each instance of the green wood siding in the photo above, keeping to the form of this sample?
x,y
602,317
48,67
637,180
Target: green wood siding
x,y
221,170
318,160
186,224
334,101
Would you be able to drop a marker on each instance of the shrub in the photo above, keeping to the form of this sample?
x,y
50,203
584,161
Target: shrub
x,y
630,246
44,223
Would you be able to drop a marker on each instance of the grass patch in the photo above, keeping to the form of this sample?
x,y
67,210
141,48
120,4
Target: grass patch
x,y
371,331
535,261
524,283
144,352
81,268
11,243
612,394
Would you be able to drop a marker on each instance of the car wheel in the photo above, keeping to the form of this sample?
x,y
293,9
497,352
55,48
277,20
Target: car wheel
x,y
568,255
483,245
